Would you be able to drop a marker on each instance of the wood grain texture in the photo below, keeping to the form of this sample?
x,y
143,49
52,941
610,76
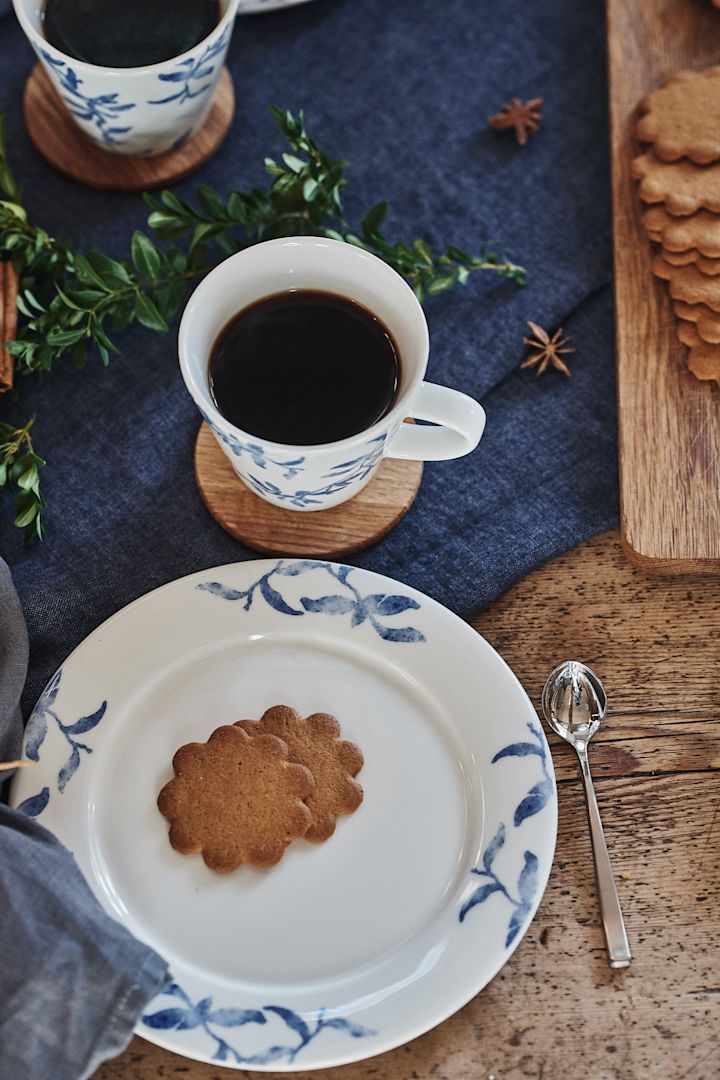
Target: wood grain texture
x,y
332,533
63,145
669,422
556,1011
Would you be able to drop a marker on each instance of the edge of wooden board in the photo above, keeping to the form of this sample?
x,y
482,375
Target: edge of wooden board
x,y
642,54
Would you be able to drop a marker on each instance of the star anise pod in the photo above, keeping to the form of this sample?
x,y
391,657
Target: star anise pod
x,y
524,116
548,350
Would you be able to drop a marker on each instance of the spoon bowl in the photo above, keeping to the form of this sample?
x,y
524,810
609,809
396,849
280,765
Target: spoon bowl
x,y
574,702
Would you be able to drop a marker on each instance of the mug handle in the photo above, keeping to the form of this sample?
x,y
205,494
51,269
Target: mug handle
x,y
461,422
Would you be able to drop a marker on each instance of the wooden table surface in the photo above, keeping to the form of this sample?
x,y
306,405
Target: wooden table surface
x,y
556,1011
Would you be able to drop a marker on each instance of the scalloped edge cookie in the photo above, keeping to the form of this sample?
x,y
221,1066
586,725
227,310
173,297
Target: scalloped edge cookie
x,y
314,741
236,799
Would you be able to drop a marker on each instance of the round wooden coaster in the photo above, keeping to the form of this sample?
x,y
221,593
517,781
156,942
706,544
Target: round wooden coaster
x,y
63,145
329,533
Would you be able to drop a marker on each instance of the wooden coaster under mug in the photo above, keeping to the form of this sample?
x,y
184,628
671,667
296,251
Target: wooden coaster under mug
x,y
64,146
331,533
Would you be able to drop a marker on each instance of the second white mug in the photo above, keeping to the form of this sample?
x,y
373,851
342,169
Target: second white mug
x,y
138,110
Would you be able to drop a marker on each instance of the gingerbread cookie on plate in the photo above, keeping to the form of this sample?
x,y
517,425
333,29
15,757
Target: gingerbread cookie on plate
x,y
236,799
314,741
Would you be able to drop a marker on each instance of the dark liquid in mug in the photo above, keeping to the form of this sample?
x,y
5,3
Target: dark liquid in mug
x,y
128,33
304,367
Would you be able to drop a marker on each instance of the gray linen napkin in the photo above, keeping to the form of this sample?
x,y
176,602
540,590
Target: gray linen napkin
x,y
72,981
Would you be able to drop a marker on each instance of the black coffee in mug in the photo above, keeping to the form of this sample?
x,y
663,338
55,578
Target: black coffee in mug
x,y
128,33
304,367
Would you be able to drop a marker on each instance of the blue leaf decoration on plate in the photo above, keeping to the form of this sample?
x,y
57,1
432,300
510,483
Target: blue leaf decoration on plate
x,y
341,1024
36,732
68,769
296,568
87,723
520,749
527,882
534,801
236,1017
35,804
514,926
173,1019
375,607
478,897
406,633
394,605
331,605
189,1016
293,1021
274,599
493,847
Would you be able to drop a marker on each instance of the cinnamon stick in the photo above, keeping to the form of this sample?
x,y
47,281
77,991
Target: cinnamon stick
x,y
8,322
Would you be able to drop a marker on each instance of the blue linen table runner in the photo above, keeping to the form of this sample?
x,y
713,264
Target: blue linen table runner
x,y
403,92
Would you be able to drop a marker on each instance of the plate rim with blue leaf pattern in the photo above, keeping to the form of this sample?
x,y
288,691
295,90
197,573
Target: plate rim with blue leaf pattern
x,y
503,865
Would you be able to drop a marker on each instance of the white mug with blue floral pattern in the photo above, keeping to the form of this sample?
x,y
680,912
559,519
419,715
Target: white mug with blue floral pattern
x,y
141,110
320,476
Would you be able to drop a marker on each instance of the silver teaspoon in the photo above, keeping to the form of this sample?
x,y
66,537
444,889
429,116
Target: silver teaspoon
x,y
574,703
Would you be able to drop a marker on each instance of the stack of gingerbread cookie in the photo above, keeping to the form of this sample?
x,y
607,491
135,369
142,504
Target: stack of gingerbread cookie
x,y
256,785
680,178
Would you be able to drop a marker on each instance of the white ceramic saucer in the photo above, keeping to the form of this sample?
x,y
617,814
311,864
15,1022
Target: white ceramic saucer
x,y
256,7
343,949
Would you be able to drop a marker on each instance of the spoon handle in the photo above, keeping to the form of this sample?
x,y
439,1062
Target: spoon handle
x,y
618,948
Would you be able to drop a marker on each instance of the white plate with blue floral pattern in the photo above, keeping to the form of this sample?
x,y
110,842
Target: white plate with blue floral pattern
x,y
343,949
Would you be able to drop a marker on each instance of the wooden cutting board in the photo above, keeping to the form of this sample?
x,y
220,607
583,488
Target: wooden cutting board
x,y
669,422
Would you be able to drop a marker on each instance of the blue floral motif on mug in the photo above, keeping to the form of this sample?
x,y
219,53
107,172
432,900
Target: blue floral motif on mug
x,y
100,111
187,74
339,477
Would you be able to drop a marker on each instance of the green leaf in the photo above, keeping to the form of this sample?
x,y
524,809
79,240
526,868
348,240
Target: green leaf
x,y
179,206
295,164
145,256
63,338
375,217
23,307
109,270
166,223
458,254
440,284
26,507
211,202
203,233
236,208
273,168
30,480
147,313
422,251
86,273
31,299
88,298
